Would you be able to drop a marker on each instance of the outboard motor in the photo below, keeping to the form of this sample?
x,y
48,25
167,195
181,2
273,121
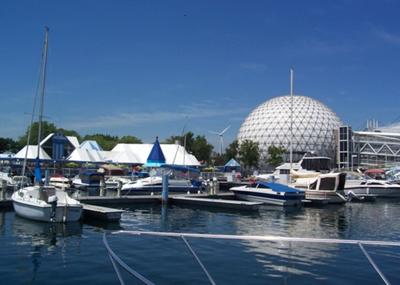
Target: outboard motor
x,y
53,202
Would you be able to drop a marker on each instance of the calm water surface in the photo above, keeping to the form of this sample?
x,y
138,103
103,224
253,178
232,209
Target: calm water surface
x,y
40,253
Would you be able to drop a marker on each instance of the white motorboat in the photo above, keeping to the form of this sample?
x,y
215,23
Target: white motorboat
x,y
324,188
113,182
60,182
44,203
153,184
269,193
373,187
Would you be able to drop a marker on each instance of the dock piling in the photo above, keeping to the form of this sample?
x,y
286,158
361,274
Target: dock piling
x,y
3,189
164,194
102,188
119,189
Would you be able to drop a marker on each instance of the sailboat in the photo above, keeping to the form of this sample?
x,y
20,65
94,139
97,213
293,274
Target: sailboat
x,y
39,202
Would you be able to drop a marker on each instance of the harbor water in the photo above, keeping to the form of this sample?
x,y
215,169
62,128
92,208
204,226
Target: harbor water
x,y
42,253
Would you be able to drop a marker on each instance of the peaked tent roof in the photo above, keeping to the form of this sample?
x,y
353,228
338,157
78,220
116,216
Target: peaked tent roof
x,y
173,153
90,145
156,157
232,163
32,153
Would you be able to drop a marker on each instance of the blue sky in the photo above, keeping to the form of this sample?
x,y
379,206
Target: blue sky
x,y
144,68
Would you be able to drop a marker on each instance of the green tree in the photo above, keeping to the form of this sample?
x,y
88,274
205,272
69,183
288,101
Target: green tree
x,y
71,133
201,149
249,153
8,144
129,139
186,140
275,155
47,128
232,150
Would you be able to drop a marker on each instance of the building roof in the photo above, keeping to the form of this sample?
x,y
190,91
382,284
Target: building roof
x,y
32,153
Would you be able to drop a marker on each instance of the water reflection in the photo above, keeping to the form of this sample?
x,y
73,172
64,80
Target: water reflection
x,y
44,239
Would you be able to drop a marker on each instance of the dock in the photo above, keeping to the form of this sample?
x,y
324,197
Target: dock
x,y
101,213
219,203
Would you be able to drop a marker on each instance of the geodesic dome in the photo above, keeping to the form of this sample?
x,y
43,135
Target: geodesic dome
x,y
313,126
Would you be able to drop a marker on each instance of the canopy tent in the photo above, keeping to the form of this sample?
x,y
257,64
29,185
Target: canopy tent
x,y
138,154
88,155
231,165
32,153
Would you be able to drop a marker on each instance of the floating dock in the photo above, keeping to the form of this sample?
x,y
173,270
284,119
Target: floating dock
x,y
101,213
220,203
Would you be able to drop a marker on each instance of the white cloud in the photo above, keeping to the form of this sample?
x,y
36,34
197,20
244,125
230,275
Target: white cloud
x,y
386,36
193,111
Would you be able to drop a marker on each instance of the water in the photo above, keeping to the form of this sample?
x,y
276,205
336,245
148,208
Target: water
x,y
39,253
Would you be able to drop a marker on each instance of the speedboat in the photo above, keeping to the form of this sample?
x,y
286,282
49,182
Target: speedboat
x,y
269,193
46,204
60,182
324,188
153,184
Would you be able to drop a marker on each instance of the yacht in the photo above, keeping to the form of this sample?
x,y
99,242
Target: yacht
x,y
372,187
324,188
269,193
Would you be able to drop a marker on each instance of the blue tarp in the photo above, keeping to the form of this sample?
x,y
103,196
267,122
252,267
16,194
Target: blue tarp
x,y
156,157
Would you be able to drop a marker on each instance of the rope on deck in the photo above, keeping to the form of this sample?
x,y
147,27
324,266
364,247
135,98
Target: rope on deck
x,y
374,264
199,261
264,238
124,265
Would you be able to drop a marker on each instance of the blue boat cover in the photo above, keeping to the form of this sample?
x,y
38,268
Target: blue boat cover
x,y
277,187
156,157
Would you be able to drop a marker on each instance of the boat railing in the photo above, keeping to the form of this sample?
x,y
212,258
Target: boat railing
x,y
115,260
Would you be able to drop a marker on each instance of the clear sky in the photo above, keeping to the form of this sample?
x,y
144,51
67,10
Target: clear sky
x,y
145,68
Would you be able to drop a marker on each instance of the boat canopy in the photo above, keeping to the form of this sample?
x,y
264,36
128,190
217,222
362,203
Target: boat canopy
x,y
277,187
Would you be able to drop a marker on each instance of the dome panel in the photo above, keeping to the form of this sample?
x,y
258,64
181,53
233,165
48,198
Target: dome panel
x,y
312,127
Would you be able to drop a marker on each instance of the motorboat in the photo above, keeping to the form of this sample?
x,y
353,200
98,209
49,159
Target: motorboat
x,y
269,193
153,184
60,182
113,182
88,180
373,187
44,203
324,188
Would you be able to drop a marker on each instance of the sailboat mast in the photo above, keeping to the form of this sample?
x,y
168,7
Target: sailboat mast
x,y
291,118
42,87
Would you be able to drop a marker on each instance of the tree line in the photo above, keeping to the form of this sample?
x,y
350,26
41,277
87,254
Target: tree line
x,y
247,153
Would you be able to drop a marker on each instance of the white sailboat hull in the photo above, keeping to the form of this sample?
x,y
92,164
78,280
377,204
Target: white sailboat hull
x,y
28,204
63,213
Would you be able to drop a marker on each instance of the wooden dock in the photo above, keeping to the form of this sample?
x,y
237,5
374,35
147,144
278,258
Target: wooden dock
x,y
123,200
219,203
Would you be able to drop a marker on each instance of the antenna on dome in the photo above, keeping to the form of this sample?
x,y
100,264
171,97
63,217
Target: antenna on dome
x,y
291,118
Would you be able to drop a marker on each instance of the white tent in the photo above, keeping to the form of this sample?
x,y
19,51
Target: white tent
x,y
32,153
138,153
88,155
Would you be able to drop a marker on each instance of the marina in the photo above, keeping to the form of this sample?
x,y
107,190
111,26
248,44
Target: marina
x,y
199,142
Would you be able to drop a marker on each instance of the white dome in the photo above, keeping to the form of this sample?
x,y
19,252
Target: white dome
x,y
313,126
